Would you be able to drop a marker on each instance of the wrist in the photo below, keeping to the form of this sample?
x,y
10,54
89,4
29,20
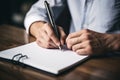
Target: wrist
x,y
34,28
112,42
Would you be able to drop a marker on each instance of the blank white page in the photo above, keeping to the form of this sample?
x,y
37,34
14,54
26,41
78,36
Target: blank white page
x,y
50,60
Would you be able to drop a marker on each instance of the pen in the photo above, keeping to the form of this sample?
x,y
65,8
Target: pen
x,y
52,21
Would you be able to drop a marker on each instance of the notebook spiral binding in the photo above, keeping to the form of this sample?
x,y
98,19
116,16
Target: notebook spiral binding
x,y
20,56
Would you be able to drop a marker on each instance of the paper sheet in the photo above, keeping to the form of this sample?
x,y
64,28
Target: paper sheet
x,y
50,60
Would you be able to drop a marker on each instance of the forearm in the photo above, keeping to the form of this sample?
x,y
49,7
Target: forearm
x,y
111,42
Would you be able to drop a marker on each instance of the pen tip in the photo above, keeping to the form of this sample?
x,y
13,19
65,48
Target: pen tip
x,y
60,47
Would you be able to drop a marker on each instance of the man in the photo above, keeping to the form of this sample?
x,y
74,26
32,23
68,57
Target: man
x,y
87,18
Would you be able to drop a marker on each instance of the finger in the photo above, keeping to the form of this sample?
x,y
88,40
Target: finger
x,y
78,46
53,45
51,34
62,36
73,41
41,44
73,35
44,40
82,52
45,37
87,49
79,33
70,39
84,37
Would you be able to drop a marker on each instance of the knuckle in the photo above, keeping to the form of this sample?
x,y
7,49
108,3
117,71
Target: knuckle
x,y
69,45
86,31
77,40
80,52
66,40
73,41
74,48
70,34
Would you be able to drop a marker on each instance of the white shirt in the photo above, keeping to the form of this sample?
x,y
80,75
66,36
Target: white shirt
x,y
97,15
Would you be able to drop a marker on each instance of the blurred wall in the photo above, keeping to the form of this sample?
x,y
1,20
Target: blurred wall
x,y
13,11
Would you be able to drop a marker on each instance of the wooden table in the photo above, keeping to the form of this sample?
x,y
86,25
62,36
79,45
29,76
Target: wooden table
x,y
103,68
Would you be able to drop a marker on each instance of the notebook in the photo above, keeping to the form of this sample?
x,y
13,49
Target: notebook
x,y
53,61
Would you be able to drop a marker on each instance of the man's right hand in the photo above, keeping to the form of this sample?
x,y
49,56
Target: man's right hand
x,y
45,36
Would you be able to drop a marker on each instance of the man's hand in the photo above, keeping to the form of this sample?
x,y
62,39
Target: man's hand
x,y
86,42
45,36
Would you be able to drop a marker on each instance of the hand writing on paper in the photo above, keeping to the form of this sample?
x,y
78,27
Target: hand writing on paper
x,y
45,36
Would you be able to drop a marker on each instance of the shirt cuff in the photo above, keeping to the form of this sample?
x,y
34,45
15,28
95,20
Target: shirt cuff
x,y
31,19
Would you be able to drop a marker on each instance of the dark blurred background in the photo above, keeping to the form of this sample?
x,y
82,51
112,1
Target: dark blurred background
x,y
13,11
